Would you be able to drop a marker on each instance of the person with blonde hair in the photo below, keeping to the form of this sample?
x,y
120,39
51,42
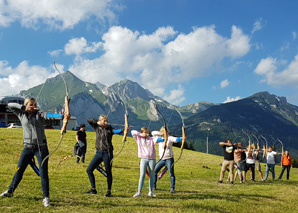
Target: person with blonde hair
x,y
166,159
146,151
35,143
104,151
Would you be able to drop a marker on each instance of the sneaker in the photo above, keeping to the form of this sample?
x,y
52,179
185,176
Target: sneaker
x,y
220,181
108,194
151,194
138,194
241,181
232,183
46,201
172,190
7,194
91,191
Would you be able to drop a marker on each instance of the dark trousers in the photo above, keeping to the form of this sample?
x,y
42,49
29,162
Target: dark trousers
x,y
25,159
288,167
100,156
80,152
252,168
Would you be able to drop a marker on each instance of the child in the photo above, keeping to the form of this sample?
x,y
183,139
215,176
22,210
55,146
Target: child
x,y
81,144
146,151
167,158
104,151
35,143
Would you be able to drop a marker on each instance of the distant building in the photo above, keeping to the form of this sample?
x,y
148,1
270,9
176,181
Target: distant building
x,y
9,117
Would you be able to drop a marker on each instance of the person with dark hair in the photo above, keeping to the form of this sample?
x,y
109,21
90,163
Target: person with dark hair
x,y
229,149
35,143
286,163
80,147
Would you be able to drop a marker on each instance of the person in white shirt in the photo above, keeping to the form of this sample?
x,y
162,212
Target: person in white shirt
x,y
166,156
270,156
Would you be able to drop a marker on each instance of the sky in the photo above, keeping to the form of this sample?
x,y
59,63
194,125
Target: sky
x,y
184,51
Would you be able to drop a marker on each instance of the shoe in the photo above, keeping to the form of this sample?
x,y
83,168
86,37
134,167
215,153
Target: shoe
x,y
220,181
232,183
108,194
241,181
172,190
91,191
7,194
138,194
151,194
46,201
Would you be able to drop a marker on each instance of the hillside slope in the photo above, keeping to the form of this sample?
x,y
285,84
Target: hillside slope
x,y
197,189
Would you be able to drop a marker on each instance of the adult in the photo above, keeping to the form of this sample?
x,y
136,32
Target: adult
x,y
286,163
228,149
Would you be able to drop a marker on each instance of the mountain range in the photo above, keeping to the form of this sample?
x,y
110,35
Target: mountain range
x,y
262,115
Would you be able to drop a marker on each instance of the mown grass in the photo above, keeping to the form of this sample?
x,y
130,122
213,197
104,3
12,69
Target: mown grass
x,y
197,189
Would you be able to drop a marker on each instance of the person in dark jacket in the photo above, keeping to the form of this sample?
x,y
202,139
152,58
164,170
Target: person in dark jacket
x,y
104,151
80,147
35,143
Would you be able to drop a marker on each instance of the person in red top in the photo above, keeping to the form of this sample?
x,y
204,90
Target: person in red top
x,y
286,163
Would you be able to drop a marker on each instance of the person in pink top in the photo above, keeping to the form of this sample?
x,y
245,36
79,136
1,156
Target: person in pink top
x,y
146,151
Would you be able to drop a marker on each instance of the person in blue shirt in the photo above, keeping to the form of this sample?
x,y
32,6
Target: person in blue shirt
x,y
35,143
104,151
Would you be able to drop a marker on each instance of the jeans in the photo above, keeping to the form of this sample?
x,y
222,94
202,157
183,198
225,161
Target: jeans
x,y
100,156
268,167
25,159
168,162
143,167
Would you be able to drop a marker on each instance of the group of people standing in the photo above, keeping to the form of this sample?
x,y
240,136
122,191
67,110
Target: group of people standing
x,y
246,159
35,144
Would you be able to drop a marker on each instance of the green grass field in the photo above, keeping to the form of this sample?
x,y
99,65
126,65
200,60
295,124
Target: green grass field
x,y
197,188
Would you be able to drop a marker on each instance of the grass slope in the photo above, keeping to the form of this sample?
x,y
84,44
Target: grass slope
x,y
196,187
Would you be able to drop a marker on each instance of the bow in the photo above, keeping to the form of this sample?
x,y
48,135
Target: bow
x,y
68,156
265,150
65,118
258,145
249,142
282,148
183,137
126,127
165,136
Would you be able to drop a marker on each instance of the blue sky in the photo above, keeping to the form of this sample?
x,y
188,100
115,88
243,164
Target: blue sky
x,y
185,51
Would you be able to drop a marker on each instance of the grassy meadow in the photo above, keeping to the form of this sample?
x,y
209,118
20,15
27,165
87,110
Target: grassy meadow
x,y
197,188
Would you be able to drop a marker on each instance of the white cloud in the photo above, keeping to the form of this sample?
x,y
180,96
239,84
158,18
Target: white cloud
x,y
21,78
268,67
78,46
160,59
59,14
55,53
176,96
294,35
224,83
229,99
258,25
